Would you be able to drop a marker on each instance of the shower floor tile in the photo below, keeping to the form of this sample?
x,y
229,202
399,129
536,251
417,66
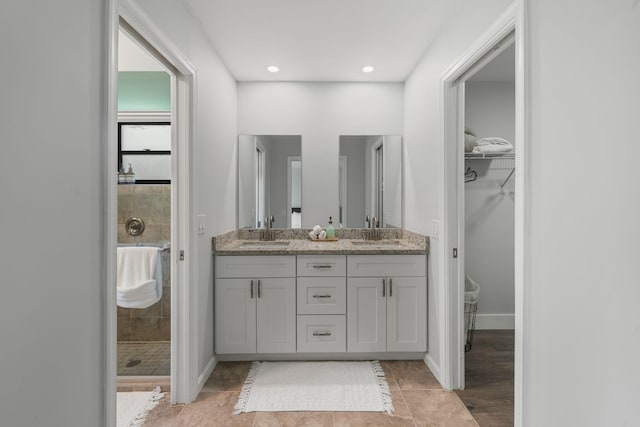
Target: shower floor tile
x,y
144,358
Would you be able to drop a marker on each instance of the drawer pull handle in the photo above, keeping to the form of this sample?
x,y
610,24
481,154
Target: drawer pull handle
x,y
259,290
322,296
322,334
390,287
384,286
251,287
322,266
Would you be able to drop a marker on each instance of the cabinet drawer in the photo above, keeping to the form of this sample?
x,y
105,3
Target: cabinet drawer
x,y
256,266
321,265
317,334
322,295
386,265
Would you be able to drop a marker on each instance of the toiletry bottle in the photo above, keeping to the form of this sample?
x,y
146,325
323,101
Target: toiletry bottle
x,y
331,231
131,176
121,176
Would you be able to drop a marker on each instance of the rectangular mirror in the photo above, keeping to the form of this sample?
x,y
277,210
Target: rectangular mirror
x,y
370,180
269,180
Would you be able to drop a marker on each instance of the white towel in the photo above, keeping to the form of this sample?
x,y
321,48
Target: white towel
x,y
492,145
139,283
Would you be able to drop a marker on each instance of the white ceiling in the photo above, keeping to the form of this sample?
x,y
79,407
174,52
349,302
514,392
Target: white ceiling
x,y
321,40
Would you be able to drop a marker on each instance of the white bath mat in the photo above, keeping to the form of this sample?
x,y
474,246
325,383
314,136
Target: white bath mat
x,y
133,407
315,386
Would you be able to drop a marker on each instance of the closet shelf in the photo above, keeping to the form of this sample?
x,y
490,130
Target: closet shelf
x,y
474,156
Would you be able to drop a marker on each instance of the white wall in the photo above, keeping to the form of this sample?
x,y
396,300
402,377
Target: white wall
x,y
320,112
52,215
489,208
422,137
214,157
582,327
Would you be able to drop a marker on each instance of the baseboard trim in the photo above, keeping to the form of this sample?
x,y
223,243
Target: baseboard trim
x,y
434,367
495,321
206,373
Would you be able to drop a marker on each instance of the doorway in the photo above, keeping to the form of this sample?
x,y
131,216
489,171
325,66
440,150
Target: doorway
x,y
505,32
174,162
487,238
146,181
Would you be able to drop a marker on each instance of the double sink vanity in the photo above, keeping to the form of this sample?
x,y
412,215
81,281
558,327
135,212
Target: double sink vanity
x,y
296,298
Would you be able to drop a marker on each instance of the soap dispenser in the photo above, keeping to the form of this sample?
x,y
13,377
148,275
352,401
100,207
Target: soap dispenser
x,y
331,231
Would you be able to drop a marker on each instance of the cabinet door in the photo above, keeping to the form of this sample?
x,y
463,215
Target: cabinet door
x,y
276,300
235,316
406,314
366,315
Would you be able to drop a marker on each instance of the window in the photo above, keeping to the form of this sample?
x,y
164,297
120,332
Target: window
x,y
147,148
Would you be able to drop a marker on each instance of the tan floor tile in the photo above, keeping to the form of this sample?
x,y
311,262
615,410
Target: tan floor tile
x,y
493,419
365,419
227,376
388,374
163,415
437,408
413,375
214,409
293,419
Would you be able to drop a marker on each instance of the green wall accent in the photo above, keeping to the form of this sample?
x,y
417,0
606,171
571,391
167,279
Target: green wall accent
x,y
144,90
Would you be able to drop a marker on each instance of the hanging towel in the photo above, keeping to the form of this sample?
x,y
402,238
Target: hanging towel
x,y
492,145
139,278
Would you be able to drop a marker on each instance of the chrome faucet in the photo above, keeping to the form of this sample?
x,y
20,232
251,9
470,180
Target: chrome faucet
x,y
373,231
268,221
267,233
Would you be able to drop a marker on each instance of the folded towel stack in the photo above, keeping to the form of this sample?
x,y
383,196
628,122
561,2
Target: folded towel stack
x,y
139,278
492,145
317,233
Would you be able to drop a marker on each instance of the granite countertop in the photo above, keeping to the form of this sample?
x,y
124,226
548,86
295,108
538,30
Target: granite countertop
x,y
294,242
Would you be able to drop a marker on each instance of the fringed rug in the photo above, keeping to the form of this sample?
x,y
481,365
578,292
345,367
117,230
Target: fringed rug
x,y
315,386
133,407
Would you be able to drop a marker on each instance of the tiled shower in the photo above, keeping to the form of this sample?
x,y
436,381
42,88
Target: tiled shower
x,y
144,335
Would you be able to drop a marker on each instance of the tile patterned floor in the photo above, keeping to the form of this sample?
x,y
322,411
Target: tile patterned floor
x,y
144,358
417,397
489,378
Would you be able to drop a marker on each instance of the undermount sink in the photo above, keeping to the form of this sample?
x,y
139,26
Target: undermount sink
x,y
375,242
263,243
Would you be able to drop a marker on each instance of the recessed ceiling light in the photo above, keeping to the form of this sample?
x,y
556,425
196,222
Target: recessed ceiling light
x,y
367,69
273,69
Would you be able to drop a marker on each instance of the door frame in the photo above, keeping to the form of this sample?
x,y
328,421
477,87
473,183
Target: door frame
x,y
184,378
451,198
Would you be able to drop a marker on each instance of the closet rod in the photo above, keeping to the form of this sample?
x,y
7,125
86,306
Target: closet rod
x,y
489,156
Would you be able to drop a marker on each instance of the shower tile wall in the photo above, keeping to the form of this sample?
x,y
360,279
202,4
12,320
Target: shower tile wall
x,y
151,203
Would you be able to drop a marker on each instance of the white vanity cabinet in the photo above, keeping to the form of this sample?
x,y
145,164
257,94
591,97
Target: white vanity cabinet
x,y
255,301
386,303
